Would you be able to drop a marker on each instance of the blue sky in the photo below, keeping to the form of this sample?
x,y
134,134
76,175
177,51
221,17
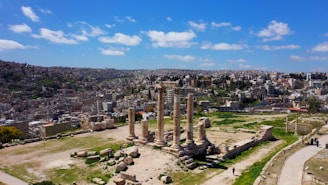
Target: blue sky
x,y
273,35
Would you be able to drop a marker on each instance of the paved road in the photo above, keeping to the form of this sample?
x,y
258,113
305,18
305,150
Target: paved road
x,y
10,180
292,171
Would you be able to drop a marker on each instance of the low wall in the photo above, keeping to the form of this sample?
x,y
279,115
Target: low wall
x,y
264,134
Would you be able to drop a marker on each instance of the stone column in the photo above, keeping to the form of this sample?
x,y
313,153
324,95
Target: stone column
x,y
190,112
144,131
201,133
160,116
131,117
296,126
287,124
176,122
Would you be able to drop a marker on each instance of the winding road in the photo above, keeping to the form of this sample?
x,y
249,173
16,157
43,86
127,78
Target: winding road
x,y
292,171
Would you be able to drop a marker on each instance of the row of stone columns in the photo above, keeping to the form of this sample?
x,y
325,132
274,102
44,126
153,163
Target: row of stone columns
x,y
160,122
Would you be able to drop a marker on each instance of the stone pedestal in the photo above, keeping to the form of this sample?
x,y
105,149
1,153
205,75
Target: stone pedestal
x,y
190,113
131,117
176,122
144,132
201,133
160,116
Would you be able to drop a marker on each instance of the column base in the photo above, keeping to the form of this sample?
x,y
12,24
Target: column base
x,y
131,138
159,143
176,147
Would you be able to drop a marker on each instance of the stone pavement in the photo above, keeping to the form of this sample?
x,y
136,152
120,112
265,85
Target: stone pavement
x,y
292,171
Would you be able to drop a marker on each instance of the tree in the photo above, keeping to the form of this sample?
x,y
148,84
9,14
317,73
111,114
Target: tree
x,y
7,133
314,104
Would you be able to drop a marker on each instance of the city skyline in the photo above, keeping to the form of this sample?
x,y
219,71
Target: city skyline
x,y
213,35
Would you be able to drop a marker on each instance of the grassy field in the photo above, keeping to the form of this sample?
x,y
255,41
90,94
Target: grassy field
x,y
314,164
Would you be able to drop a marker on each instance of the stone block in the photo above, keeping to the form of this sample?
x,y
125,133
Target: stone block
x,y
128,176
120,167
82,153
119,181
134,152
92,159
105,151
91,153
191,166
188,161
166,179
128,160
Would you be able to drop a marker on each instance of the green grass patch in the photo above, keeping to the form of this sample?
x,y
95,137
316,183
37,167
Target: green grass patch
x,y
113,146
227,121
21,172
67,176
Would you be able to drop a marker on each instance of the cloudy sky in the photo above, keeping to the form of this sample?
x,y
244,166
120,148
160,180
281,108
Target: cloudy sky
x,y
274,35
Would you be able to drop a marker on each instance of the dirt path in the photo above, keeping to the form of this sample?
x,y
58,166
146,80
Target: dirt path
x,y
227,177
293,166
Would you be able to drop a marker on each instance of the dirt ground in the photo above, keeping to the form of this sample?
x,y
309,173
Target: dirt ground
x,y
41,157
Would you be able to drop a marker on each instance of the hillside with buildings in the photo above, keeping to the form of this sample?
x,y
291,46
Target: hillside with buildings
x,y
33,96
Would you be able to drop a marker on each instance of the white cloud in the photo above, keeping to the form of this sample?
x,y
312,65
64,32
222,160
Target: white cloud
x,y
20,28
110,25
54,36
10,44
240,60
207,64
197,26
120,38
185,58
114,51
130,19
28,12
119,20
322,47
311,58
297,58
86,29
45,11
221,24
80,37
236,28
274,31
223,46
204,62
244,66
93,31
171,39
169,19
268,48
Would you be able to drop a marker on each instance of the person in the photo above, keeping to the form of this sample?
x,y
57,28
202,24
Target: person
x,y
317,143
233,170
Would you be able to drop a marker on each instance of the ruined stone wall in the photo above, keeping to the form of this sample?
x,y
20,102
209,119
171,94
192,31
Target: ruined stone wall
x,y
50,130
264,134
301,128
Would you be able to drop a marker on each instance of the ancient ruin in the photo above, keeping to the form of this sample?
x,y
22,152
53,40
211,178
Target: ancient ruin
x,y
170,141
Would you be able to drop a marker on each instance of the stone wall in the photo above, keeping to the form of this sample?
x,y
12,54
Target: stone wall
x,y
301,128
50,130
264,134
